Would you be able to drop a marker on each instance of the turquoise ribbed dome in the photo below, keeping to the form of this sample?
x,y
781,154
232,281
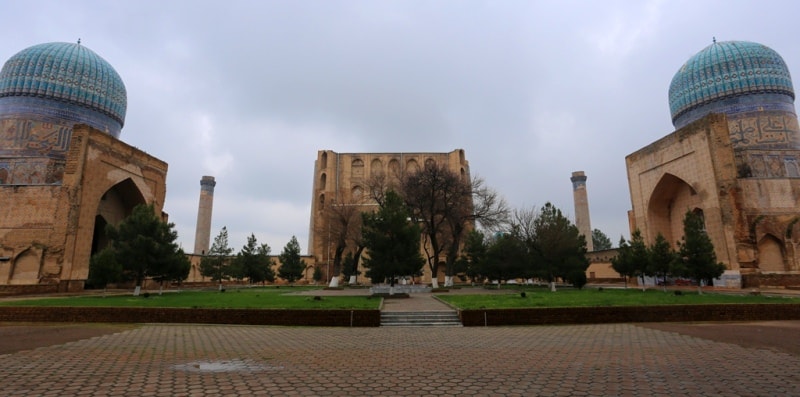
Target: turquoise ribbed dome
x,y
726,70
70,74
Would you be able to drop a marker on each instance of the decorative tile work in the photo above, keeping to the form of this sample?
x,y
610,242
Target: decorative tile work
x,y
31,171
761,129
30,138
68,73
50,111
777,164
728,69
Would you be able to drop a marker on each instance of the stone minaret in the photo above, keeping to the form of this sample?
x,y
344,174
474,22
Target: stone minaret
x,y
582,207
203,232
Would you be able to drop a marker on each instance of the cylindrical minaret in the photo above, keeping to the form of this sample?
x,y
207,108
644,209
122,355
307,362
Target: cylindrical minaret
x,y
203,232
582,207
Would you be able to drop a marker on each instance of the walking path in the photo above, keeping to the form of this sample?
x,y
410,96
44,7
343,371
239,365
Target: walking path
x,y
587,360
422,302
416,302
149,360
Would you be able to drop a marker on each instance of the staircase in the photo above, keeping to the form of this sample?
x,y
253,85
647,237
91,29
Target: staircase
x,y
420,319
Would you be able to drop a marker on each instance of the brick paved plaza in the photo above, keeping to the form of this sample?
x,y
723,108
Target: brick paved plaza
x,y
593,360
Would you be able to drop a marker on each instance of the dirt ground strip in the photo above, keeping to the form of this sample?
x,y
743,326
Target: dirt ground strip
x,y
15,337
779,336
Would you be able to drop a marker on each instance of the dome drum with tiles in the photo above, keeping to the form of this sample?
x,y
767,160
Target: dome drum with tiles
x,y
730,77
63,83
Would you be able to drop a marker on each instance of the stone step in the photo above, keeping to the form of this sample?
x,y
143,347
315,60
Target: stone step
x,y
420,319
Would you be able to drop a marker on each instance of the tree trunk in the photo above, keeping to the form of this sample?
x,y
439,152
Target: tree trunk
x,y
448,281
553,286
352,280
137,290
334,282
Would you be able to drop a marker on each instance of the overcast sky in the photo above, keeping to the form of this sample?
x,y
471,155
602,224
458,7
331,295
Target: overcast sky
x,y
249,91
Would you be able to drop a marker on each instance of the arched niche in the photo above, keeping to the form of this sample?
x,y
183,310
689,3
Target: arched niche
x,y
376,167
412,166
357,168
323,160
321,202
770,254
461,159
26,268
323,180
670,200
356,193
394,168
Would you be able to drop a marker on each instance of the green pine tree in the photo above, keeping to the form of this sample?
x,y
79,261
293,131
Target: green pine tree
x,y
623,263
392,241
254,263
292,266
662,259
640,256
145,246
696,252
216,264
104,269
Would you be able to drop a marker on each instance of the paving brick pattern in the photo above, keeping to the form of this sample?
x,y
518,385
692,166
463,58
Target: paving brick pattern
x,y
591,360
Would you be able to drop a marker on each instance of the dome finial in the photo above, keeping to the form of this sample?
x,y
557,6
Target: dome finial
x,y
713,40
79,40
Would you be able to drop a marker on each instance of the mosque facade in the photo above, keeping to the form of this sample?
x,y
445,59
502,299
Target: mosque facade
x,y
342,181
64,172
733,158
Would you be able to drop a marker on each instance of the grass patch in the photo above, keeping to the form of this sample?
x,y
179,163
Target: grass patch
x,y
597,298
246,298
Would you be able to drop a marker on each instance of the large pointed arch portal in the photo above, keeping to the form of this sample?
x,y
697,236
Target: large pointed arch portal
x,y
116,204
669,201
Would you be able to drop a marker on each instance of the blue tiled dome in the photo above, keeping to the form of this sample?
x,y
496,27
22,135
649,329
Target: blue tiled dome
x,y
64,80
729,70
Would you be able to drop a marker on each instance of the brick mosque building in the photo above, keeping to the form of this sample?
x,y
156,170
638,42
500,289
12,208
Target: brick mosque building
x,y
64,173
341,180
733,159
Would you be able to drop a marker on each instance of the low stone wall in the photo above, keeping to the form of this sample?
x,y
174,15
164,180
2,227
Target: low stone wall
x,y
371,318
770,280
28,289
327,318
630,314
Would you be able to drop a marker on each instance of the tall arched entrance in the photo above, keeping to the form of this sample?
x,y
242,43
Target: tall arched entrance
x,y
669,201
116,204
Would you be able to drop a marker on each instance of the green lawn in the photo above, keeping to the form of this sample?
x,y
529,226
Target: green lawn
x,y
592,297
255,298
282,298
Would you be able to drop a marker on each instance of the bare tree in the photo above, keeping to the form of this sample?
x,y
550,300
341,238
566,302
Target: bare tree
x,y
432,194
342,231
447,206
481,205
